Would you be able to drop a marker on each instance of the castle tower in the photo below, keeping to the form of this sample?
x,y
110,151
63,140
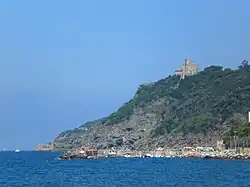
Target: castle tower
x,y
187,69
187,61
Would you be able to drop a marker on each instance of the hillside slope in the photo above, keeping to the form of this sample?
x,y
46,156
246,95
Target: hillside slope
x,y
171,113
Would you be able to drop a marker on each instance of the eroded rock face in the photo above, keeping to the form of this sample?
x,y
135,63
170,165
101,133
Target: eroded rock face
x,y
136,134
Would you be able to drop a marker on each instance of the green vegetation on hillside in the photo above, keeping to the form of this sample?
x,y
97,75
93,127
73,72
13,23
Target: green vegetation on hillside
x,y
197,104
242,131
201,101
144,96
207,99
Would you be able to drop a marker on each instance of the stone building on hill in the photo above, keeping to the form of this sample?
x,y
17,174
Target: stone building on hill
x,y
187,69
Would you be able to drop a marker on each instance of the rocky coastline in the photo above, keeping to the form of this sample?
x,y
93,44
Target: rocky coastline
x,y
82,157
91,154
232,157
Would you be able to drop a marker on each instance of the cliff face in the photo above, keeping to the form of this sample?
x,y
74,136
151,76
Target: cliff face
x,y
171,113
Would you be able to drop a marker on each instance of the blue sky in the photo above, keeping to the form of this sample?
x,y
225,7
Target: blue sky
x,y
66,62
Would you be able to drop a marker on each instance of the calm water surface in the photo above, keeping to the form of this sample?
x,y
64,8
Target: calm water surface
x,y
41,169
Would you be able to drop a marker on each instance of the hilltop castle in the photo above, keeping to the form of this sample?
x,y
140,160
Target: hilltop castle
x,y
187,69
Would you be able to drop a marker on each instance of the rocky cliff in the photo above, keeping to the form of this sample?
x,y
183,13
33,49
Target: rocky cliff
x,y
171,112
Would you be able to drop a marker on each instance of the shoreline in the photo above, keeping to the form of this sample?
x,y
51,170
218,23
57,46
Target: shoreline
x,y
207,157
229,159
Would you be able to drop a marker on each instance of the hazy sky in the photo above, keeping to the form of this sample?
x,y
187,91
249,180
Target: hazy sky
x,y
66,62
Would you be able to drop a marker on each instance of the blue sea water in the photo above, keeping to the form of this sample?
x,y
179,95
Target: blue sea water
x,y
42,169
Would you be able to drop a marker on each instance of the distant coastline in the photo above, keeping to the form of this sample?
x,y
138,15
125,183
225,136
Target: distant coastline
x,y
44,147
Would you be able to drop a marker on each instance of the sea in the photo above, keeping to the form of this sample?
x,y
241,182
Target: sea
x,y
43,169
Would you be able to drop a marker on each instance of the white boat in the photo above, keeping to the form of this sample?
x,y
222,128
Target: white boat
x,y
17,151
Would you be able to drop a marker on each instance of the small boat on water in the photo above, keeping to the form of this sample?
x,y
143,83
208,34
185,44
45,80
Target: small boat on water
x,y
17,151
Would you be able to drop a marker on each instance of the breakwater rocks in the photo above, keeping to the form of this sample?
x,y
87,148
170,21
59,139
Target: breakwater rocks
x,y
78,155
90,155
231,157
69,156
